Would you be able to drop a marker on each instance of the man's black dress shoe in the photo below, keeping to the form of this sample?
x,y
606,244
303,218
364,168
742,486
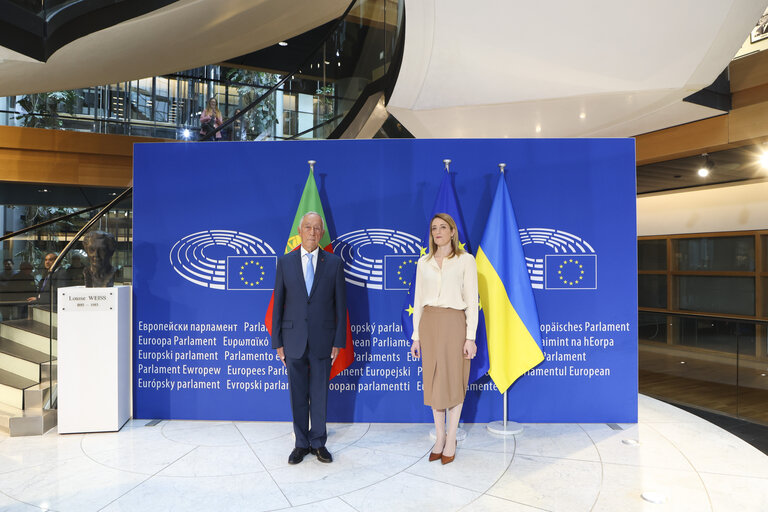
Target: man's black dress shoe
x,y
323,455
297,455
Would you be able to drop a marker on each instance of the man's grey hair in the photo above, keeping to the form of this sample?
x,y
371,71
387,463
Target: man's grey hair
x,y
322,224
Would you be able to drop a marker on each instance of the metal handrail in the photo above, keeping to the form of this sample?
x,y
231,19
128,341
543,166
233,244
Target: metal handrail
x,y
50,221
127,192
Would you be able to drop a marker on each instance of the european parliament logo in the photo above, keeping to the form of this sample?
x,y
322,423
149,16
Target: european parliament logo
x,y
558,260
378,258
225,260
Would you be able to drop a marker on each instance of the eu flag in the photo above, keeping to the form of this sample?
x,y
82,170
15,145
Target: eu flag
x,y
570,271
251,272
446,202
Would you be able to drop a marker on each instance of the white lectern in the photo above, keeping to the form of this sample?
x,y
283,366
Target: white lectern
x,y
94,358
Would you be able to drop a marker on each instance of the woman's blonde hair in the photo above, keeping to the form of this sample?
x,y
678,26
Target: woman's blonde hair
x,y
455,247
214,110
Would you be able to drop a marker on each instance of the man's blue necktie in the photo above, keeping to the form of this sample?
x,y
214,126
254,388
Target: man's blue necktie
x,y
310,273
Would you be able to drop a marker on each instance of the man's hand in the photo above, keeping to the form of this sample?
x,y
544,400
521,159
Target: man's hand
x,y
334,354
281,354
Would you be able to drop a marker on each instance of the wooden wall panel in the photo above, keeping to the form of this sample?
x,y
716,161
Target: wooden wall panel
x,y
64,157
749,124
685,140
750,71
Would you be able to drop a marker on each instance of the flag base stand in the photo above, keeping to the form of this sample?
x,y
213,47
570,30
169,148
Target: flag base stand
x,y
505,428
461,434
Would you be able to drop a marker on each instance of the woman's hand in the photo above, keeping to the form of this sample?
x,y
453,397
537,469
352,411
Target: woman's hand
x,y
416,349
470,349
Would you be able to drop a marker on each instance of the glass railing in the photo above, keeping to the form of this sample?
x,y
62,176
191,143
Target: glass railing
x,y
38,261
717,363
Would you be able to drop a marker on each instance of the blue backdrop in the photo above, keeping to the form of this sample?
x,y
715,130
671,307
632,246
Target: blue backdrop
x,y
210,219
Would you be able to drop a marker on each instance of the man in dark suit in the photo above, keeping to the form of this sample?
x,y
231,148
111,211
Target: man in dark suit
x,y
308,330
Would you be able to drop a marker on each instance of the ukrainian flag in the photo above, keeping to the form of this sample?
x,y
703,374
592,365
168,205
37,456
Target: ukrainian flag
x,y
511,318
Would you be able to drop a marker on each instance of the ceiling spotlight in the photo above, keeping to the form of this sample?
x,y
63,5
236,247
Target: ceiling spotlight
x,y
706,167
282,43
764,159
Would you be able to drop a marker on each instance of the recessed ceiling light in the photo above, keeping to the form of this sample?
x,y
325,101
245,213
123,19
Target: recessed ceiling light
x,y
282,43
706,167
538,128
42,190
764,159
582,116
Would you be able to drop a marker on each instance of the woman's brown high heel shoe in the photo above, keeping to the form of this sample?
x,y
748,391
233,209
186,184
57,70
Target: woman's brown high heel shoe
x,y
435,456
447,460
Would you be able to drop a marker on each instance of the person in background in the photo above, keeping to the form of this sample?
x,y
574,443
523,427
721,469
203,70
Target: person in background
x,y
210,119
7,273
236,131
444,326
46,281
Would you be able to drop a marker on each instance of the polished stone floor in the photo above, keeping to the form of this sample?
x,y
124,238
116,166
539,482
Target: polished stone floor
x,y
677,460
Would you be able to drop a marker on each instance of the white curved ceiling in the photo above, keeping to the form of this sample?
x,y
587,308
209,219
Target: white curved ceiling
x,y
183,35
562,68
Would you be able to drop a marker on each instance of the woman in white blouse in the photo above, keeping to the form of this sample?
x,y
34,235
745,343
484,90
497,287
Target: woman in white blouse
x,y
444,325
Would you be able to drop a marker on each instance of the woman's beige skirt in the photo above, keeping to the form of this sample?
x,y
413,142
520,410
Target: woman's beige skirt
x,y
445,371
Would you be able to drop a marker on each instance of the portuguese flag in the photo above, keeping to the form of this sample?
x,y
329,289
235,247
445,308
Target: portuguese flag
x,y
310,202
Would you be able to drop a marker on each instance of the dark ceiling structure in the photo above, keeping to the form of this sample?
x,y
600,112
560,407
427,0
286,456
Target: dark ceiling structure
x,y
730,165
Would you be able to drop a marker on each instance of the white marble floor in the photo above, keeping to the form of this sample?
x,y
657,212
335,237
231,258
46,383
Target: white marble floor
x,y
670,456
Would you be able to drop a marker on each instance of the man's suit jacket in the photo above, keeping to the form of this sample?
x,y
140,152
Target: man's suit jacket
x,y
318,319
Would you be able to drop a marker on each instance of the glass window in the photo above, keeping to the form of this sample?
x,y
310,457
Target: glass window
x,y
717,253
714,294
652,254
652,327
721,335
289,102
652,291
764,241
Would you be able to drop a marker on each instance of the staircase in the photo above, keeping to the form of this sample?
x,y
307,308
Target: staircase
x,y
28,373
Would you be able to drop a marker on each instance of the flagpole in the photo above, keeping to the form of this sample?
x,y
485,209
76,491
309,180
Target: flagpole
x,y
504,427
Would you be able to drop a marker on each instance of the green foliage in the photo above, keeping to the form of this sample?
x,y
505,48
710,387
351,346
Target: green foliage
x,y
42,109
261,117
46,238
